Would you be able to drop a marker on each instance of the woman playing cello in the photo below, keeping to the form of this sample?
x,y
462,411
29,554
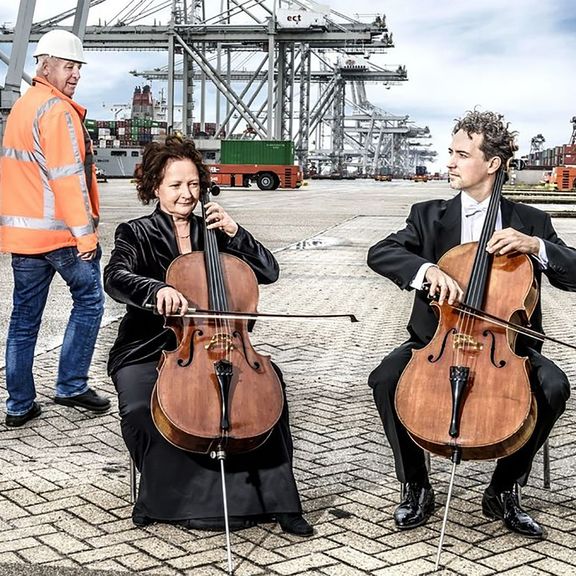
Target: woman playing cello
x,y
177,486
481,145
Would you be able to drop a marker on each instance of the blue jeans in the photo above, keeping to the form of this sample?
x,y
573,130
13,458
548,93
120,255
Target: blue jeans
x,y
32,278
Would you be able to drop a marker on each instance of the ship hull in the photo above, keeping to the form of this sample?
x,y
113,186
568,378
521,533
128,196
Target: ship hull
x,y
118,162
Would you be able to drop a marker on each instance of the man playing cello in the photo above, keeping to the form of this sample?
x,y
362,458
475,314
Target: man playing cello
x,y
481,144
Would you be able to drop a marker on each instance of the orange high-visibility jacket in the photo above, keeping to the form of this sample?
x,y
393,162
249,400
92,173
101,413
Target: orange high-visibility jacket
x,y
48,190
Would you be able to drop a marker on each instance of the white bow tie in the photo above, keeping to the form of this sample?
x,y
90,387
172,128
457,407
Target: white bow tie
x,y
474,209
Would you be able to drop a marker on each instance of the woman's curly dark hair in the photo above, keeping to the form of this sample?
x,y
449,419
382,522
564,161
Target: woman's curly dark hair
x,y
150,173
498,139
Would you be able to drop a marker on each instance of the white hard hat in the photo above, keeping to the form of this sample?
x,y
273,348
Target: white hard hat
x,y
61,44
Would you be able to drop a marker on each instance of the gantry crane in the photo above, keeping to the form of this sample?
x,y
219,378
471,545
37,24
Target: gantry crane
x,y
288,47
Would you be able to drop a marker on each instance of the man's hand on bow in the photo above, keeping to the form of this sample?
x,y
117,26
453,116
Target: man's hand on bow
x,y
443,286
509,240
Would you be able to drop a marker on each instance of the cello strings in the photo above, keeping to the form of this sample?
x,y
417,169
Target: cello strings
x,y
487,231
217,287
476,285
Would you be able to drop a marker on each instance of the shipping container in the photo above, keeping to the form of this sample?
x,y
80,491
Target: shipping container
x,y
275,152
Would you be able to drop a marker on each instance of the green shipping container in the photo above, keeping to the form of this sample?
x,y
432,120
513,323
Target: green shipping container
x,y
278,152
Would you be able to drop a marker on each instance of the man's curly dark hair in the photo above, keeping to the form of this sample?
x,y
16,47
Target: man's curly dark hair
x,y
498,139
150,173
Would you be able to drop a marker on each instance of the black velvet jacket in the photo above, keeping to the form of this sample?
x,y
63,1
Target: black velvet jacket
x,y
143,250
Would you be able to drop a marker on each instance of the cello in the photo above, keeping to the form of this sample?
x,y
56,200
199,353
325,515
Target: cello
x,y
214,393
466,394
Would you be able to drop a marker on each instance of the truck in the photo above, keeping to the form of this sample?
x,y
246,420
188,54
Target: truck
x,y
421,174
383,174
268,163
563,178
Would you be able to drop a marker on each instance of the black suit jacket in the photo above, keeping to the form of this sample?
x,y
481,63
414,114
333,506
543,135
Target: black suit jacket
x,y
433,227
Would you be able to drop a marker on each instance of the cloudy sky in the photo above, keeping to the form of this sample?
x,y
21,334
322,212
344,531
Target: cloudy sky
x,y
512,56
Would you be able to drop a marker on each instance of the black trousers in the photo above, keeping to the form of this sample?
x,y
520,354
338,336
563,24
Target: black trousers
x,y
549,385
178,485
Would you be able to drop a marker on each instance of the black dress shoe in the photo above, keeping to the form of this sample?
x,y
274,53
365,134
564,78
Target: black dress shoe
x,y
294,523
207,524
89,400
217,524
506,506
142,521
15,421
416,508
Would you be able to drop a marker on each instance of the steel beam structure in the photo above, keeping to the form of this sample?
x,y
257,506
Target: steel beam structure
x,y
287,46
17,59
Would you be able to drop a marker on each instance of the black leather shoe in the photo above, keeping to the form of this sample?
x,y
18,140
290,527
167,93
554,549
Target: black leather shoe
x,y
15,421
294,523
416,508
142,521
217,524
506,506
89,400
207,524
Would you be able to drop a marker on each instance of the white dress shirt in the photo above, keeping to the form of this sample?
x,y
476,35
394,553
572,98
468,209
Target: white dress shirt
x,y
473,216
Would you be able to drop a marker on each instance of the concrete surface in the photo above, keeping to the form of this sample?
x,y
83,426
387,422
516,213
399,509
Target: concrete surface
x,y
64,478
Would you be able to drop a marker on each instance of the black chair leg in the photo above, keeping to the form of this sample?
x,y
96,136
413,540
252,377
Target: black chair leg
x,y
546,467
132,481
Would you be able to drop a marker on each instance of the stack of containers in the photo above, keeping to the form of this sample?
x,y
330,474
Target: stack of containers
x,y
130,133
569,155
535,159
557,156
209,129
91,127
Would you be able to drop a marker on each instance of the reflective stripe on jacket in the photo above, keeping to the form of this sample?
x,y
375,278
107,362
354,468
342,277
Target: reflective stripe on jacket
x,y
46,202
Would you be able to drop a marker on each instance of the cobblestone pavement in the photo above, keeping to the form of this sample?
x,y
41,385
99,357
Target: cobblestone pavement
x,y
64,478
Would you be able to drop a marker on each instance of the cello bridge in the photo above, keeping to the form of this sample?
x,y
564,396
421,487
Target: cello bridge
x,y
466,342
220,340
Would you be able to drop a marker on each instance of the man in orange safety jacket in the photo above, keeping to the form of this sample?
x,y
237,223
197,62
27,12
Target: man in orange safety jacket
x,y
49,211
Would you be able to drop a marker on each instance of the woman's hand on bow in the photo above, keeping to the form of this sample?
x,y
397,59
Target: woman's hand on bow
x,y
170,302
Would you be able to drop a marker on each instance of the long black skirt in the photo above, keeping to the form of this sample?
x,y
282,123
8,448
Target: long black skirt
x,y
176,485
